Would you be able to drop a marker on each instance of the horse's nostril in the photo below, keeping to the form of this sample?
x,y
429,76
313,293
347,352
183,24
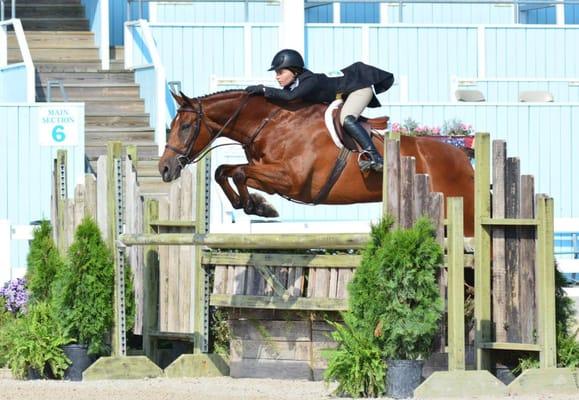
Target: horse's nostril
x,y
166,175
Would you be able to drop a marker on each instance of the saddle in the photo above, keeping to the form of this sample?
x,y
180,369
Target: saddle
x,y
374,126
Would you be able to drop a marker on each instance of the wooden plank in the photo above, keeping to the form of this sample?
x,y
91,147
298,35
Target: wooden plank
x,y
252,281
239,280
482,244
436,214
499,269
456,355
511,346
130,216
322,287
173,273
311,281
421,196
150,285
79,204
134,367
272,283
220,280
281,273
527,307
512,209
391,179
163,271
266,349
279,302
509,222
185,252
251,329
101,183
69,222
283,260
333,291
230,279
298,282
545,278
90,201
407,174
344,278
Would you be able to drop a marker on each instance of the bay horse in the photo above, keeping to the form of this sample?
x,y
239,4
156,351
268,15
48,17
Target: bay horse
x,y
290,153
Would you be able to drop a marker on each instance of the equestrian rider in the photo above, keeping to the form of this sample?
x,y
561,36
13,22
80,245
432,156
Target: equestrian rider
x,y
354,83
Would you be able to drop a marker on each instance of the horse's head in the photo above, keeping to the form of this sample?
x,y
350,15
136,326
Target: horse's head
x,y
189,135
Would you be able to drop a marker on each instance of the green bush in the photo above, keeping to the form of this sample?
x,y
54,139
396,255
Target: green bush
x,y
84,289
44,263
6,319
394,308
34,342
394,292
357,363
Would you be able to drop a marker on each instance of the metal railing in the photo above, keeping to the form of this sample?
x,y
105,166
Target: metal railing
x,y
24,51
13,10
160,109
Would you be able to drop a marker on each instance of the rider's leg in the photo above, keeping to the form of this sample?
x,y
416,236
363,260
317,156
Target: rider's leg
x,y
353,107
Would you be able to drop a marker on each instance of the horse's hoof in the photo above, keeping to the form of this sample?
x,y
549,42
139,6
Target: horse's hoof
x,y
262,208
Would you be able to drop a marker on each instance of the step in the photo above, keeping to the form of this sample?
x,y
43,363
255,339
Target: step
x,y
64,39
34,10
90,90
80,66
55,24
86,77
117,120
58,54
110,105
100,135
113,106
146,150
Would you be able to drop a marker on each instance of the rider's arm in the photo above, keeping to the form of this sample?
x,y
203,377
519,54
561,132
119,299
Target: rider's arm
x,y
305,87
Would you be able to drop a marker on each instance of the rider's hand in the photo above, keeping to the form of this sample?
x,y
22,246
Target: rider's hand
x,y
255,89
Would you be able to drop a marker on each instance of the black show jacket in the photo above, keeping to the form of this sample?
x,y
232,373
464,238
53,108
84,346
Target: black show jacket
x,y
321,88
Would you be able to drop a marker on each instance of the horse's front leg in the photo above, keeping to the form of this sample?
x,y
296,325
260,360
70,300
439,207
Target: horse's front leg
x,y
222,175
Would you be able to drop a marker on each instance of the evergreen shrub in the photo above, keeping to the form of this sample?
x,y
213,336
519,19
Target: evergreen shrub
x,y
44,262
394,307
84,290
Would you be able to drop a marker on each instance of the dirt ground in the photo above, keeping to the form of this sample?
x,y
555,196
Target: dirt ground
x,y
189,389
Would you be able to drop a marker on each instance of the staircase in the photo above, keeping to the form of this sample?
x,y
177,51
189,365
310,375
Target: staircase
x,y
62,48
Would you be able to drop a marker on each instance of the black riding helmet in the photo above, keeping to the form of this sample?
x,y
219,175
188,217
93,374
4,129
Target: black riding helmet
x,y
287,58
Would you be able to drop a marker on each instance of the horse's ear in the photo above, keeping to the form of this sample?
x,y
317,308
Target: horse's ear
x,y
184,98
180,100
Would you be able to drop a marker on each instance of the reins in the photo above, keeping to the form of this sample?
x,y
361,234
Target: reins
x,y
184,158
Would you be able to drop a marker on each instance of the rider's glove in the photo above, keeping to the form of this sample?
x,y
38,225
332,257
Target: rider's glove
x,y
255,89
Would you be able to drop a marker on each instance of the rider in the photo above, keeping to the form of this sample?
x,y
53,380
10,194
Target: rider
x,y
354,83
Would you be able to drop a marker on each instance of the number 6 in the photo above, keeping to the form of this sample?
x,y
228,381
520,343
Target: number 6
x,y
58,133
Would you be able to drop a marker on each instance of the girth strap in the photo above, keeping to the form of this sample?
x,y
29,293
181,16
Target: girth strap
x,y
334,175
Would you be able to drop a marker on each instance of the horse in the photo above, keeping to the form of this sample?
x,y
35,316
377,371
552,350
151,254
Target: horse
x,y
290,153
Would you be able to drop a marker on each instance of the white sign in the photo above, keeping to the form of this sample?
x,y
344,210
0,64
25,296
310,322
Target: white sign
x,y
60,125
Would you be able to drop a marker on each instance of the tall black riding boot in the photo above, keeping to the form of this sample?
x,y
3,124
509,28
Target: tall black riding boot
x,y
359,134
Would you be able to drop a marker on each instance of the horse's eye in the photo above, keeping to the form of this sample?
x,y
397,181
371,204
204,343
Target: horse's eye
x,y
185,127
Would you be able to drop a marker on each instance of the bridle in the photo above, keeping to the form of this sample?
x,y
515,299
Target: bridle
x,y
183,156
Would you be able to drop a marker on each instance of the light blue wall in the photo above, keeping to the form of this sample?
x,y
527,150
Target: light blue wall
x,y
193,53
319,13
530,51
452,14
217,12
13,84
415,51
572,13
26,173
501,91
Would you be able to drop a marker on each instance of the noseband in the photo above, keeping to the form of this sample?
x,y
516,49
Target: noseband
x,y
184,156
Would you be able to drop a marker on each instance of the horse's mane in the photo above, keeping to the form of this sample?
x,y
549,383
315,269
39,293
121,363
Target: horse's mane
x,y
218,93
